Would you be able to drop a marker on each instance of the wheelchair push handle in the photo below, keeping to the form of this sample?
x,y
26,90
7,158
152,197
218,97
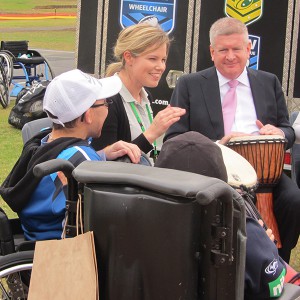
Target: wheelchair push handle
x,y
52,166
59,165
66,167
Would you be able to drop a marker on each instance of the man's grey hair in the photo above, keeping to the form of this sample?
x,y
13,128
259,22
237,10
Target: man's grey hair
x,y
227,26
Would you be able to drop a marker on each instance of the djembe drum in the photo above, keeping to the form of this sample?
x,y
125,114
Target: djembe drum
x,y
266,154
241,177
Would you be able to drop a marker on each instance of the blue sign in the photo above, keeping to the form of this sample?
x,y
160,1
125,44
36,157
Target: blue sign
x,y
160,12
254,53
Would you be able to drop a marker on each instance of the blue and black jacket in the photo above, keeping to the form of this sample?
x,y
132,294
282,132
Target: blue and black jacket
x,y
40,204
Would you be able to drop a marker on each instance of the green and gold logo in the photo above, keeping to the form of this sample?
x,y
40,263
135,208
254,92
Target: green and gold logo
x,y
247,11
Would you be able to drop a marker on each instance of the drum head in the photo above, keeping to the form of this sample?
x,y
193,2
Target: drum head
x,y
256,138
239,170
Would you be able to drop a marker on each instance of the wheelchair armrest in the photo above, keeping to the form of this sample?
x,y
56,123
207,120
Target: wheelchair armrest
x,y
15,225
25,246
34,53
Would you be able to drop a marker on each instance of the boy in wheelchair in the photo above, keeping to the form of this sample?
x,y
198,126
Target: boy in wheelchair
x,y
77,105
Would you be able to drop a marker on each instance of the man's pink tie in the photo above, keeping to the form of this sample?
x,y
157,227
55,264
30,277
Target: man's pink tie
x,y
229,106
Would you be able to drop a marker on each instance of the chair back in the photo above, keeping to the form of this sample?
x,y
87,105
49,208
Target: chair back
x,y
33,127
163,234
15,47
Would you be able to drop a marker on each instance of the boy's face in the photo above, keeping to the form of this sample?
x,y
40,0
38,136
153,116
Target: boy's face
x,y
98,115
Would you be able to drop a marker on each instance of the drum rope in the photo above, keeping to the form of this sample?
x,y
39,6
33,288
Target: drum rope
x,y
251,209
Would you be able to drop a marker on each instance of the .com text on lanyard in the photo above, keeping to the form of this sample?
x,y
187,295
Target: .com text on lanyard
x,y
142,125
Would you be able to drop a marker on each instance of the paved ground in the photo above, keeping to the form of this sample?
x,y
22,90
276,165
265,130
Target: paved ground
x,y
60,61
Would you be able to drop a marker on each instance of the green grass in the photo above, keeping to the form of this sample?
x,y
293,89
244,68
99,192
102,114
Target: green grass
x,y
54,40
17,25
10,137
31,6
10,149
61,37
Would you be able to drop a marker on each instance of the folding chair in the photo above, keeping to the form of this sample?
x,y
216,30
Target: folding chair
x,y
30,62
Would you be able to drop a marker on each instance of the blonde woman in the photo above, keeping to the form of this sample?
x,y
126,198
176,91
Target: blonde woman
x,y
141,53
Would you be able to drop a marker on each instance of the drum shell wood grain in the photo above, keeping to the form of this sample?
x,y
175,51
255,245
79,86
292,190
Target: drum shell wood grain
x,y
264,153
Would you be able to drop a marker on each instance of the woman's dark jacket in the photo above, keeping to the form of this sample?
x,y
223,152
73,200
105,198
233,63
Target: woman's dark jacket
x,y
116,127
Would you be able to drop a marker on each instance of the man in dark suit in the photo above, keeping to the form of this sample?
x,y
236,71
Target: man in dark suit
x,y
259,109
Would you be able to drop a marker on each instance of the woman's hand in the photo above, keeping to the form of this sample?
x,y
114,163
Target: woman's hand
x,y
162,121
121,148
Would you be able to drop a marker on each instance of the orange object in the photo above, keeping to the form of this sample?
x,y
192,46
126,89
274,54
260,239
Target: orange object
x,y
264,205
290,275
266,154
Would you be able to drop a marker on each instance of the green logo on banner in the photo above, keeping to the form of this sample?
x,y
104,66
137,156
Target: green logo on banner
x,y
247,11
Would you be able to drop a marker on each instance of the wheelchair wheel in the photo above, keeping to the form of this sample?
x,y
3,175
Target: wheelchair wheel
x,y
4,92
15,272
48,70
7,63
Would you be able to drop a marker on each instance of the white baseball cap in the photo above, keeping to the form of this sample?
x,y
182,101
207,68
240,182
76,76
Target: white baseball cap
x,y
71,94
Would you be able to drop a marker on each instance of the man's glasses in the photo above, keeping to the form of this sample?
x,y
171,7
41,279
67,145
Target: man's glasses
x,y
107,102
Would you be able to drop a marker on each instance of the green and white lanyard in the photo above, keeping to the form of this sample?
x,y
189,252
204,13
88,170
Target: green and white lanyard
x,y
137,116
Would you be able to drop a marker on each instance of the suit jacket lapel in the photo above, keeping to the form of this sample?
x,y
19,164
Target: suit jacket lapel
x,y
258,93
212,100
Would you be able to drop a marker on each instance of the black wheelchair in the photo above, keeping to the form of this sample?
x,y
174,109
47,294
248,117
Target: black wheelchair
x,y
159,234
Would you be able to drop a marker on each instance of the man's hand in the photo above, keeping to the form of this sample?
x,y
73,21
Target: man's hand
x,y
227,138
121,148
268,231
268,129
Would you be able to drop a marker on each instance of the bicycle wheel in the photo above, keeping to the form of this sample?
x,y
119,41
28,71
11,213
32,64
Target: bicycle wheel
x,y
4,92
15,272
7,63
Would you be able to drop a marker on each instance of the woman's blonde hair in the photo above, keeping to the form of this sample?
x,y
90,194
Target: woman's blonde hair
x,y
137,39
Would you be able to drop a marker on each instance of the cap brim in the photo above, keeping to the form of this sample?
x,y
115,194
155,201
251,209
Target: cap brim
x,y
110,86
